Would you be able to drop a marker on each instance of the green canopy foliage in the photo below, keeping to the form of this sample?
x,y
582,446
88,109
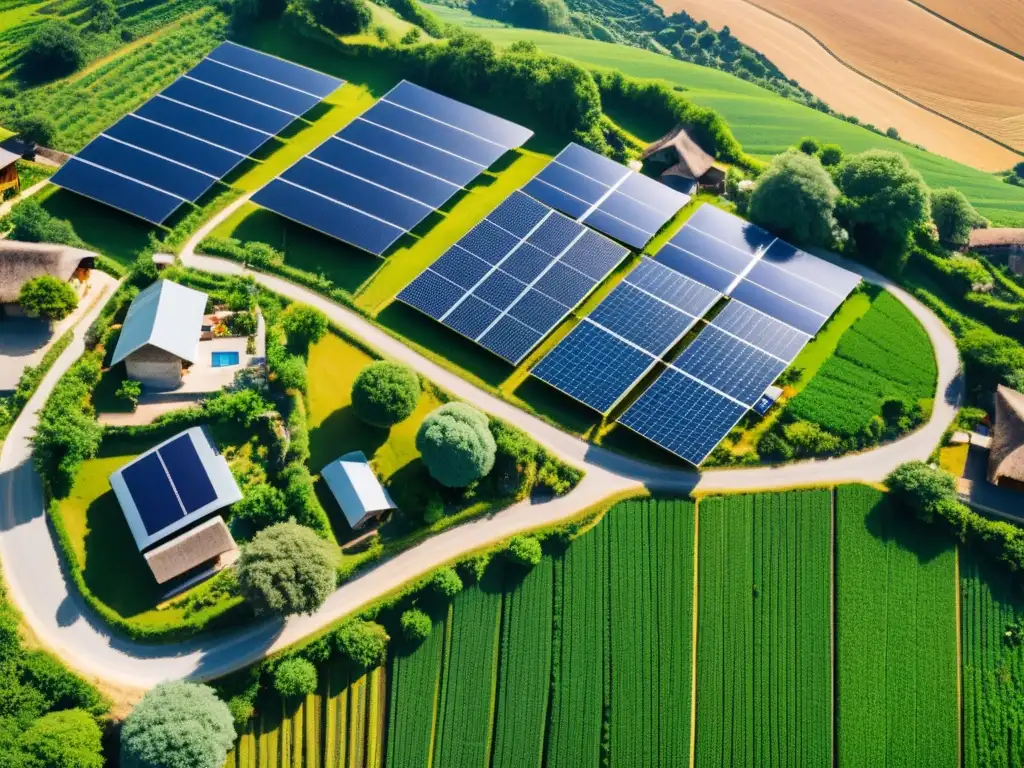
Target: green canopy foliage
x,y
456,444
416,625
295,677
70,738
304,325
31,223
954,216
446,582
364,643
385,393
47,297
56,49
346,17
523,550
552,15
796,198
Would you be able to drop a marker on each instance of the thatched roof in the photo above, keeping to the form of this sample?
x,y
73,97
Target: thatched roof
x,y
693,162
191,549
1006,454
986,238
20,262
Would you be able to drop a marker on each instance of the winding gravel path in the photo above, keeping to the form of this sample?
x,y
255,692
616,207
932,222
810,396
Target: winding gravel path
x,y
57,614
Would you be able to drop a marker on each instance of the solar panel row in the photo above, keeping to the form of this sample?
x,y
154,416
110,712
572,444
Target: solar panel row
x,y
387,170
509,281
605,195
178,144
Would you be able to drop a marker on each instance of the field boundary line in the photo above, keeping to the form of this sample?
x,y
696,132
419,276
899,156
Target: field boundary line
x,y
967,31
832,624
693,635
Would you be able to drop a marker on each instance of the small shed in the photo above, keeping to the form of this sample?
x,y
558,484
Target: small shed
x,y
1006,450
21,262
681,162
10,182
357,489
1000,243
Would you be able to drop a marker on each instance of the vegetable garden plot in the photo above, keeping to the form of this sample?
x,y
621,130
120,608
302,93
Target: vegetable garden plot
x,y
412,701
764,673
651,607
896,696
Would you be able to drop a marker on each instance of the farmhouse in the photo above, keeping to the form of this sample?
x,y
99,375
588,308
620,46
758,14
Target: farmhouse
x,y
1000,243
357,490
21,262
682,164
1006,452
168,496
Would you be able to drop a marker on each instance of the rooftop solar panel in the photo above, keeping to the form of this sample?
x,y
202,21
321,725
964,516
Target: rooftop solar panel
x,y
153,493
605,195
187,473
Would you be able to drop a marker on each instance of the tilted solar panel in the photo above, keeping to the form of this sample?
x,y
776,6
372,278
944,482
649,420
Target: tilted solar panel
x,y
730,365
178,144
761,330
187,473
153,493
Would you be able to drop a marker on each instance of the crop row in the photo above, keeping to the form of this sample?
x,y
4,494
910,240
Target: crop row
x,y
415,677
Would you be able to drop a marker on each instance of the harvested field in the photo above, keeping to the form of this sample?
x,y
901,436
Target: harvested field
x,y
1001,22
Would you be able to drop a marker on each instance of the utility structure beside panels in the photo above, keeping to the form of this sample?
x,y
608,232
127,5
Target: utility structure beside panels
x,y
357,490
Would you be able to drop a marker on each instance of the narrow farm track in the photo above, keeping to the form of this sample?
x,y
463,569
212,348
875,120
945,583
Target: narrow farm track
x,y
56,613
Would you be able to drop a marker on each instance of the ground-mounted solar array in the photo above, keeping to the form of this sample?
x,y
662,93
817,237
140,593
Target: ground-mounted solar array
x,y
606,196
178,144
391,167
514,276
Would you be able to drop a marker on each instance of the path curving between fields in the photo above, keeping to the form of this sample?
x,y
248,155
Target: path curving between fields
x,y
57,614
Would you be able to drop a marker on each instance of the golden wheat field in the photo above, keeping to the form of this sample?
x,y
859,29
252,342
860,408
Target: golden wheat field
x,y
1001,21
903,47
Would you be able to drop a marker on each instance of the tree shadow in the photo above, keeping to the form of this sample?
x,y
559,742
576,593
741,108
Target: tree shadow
x,y
340,433
888,523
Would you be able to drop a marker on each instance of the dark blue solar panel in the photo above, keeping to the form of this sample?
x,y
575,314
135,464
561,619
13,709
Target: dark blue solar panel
x,y
187,473
761,330
573,182
682,416
491,243
596,166
565,285
106,187
797,262
148,168
810,295
668,285
730,365
152,493
175,145
387,173
367,197
633,212
410,152
621,230
526,262
471,317
276,69
593,366
594,255
499,289
258,89
518,214
226,105
708,248
440,135
555,234
203,126
461,267
431,294
655,194
697,269
782,309
510,339
485,125
326,216
556,198
730,229
538,311
642,319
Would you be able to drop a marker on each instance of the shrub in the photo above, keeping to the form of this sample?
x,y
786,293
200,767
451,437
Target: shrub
x,y
552,15
104,15
921,487
287,569
385,393
809,439
456,444
47,297
416,625
795,198
346,17
31,223
523,550
35,128
290,372
830,155
364,643
242,323
301,501
295,677
66,739
991,359
774,447
130,390
411,37
954,216
177,725
809,145
446,582
304,325
55,50
262,505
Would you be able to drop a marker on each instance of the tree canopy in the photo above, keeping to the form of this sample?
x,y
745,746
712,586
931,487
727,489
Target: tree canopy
x,y
416,625
346,17
446,582
55,50
456,444
796,199
304,325
954,216
523,550
385,393
295,677
47,297
31,223
35,128
68,738
364,643
921,487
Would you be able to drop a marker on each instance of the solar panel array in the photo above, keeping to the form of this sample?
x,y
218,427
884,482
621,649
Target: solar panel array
x,y
178,144
606,196
392,166
615,346
514,276
169,484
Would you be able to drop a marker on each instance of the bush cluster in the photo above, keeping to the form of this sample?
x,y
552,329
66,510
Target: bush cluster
x,y
385,393
56,49
31,223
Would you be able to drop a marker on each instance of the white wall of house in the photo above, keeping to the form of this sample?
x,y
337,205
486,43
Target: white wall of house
x,y
153,367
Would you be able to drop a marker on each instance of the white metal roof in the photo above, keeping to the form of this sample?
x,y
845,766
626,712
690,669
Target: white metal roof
x,y
356,487
165,315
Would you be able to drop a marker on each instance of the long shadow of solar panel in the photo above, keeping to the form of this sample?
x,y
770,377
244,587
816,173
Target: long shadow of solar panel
x,y
302,123
559,407
105,229
271,146
239,170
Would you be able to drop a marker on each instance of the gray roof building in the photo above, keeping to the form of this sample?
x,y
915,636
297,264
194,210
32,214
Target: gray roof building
x,y
357,489
167,316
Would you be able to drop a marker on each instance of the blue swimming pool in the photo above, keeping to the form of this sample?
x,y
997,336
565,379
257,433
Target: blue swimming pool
x,y
223,359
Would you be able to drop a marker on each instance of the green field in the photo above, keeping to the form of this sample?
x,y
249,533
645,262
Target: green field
x,y
415,678
896,629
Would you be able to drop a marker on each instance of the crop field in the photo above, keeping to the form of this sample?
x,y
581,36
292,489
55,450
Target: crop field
x,y
1001,22
886,353
764,671
415,680
993,664
896,682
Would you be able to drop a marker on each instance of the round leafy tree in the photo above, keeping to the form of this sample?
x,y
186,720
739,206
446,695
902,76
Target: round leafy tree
x,y
364,643
66,739
523,550
446,582
47,297
796,199
295,677
954,216
262,505
456,443
287,569
177,725
416,625
55,50
35,128
304,324
346,17
921,487
385,393
830,155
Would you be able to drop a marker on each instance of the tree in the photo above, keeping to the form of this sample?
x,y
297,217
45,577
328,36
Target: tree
x,y
35,128
456,444
416,625
446,582
304,325
954,216
809,439
796,199
921,487
991,359
55,50
246,11
385,393
523,550
130,390
262,505
364,643
31,223
48,297
287,569
177,725
346,17
830,155
104,15
295,677
1018,170
892,133
69,738
884,201
809,145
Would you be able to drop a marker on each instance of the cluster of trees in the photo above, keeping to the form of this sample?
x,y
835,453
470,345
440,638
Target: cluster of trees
x,y
552,15
47,297
30,222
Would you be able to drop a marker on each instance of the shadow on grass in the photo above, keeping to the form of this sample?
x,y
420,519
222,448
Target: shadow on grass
x,y
628,442
886,521
104,229
560,408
